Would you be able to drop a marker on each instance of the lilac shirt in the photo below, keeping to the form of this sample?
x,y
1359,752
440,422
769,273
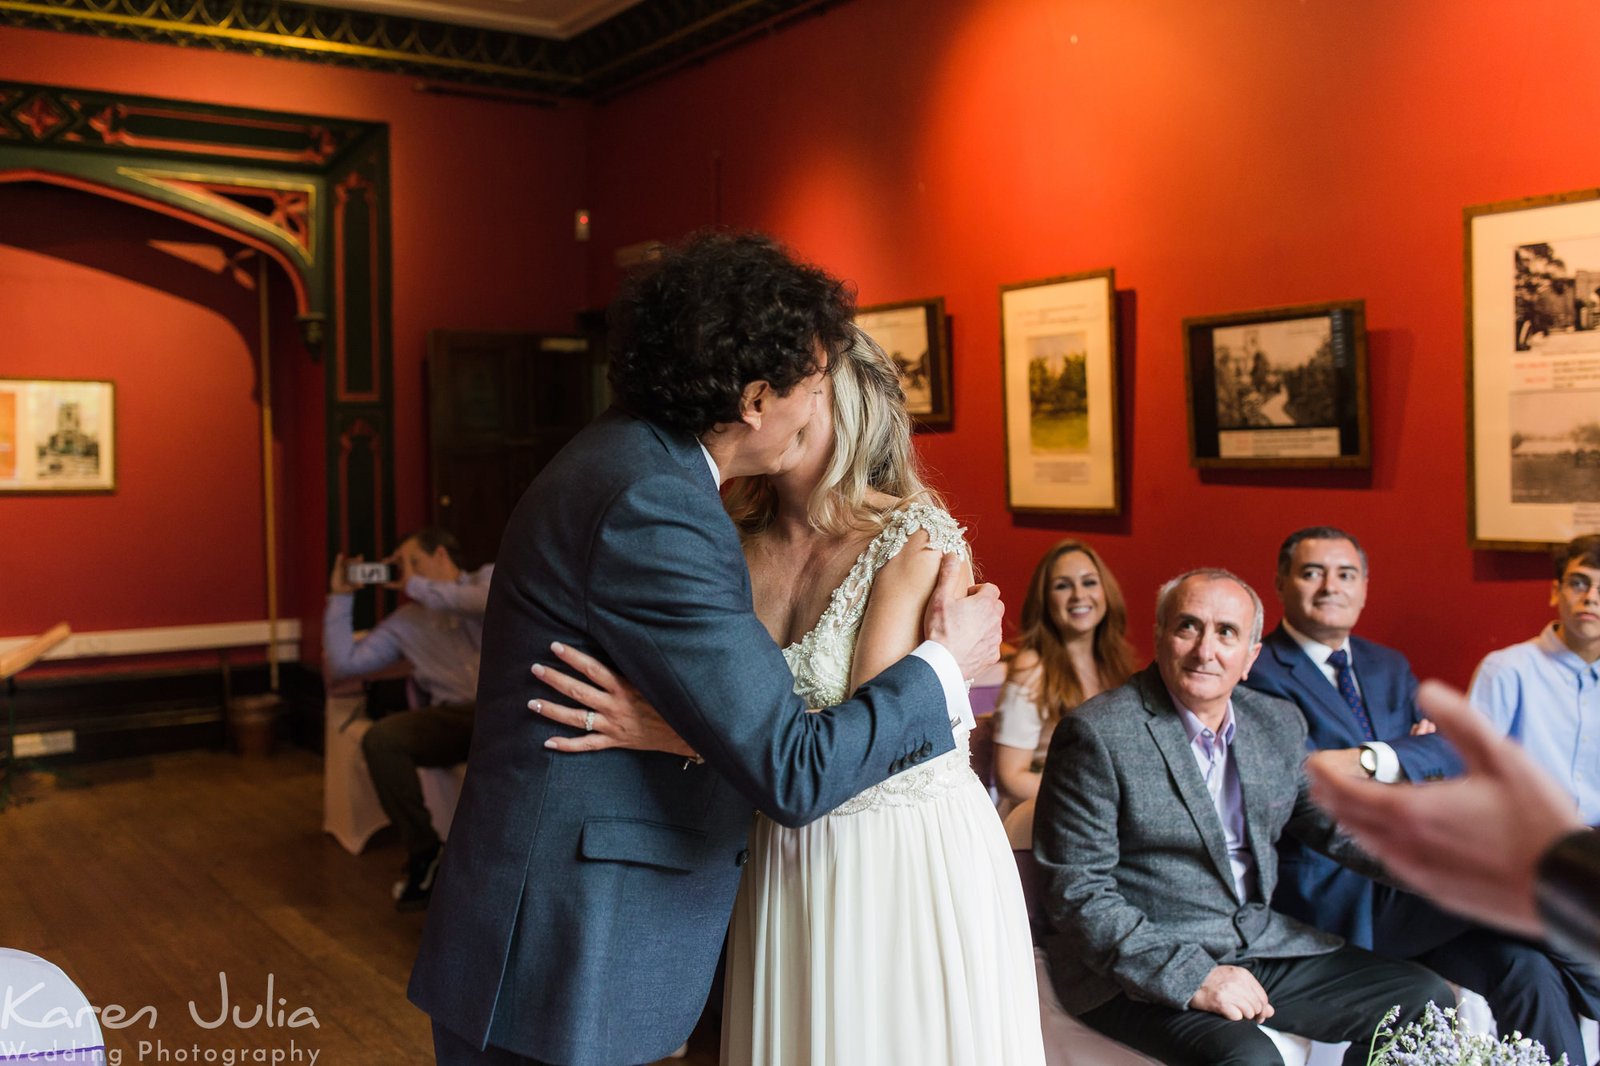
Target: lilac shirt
x,y
1213,754
440,632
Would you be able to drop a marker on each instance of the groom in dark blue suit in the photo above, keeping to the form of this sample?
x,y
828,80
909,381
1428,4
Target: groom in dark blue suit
x,y
582,900
1359,702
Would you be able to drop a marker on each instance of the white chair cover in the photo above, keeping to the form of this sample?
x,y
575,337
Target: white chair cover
x,y
350,809
48,1019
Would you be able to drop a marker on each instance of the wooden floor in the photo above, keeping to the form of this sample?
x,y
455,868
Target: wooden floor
x,y
147,880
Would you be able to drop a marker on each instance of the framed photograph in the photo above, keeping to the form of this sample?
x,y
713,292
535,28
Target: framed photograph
x,y
1282,387
57,436
1058,352
1533,371
914,334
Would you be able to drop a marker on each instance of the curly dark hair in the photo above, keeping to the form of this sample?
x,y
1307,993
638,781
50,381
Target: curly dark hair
x,y
715,313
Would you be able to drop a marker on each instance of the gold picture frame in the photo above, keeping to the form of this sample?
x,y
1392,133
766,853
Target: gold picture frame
x,y
1533,370
57,436
1061,378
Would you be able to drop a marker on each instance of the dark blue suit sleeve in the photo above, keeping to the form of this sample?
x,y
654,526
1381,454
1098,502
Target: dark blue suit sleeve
x,y
669,602
1425,758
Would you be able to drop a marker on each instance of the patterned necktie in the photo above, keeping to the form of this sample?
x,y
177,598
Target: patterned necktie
x,y
1340,661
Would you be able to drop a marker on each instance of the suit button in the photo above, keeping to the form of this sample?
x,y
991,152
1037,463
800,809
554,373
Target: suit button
x,y
741,858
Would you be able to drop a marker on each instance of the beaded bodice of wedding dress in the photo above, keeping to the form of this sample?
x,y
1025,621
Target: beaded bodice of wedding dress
x,y
821,659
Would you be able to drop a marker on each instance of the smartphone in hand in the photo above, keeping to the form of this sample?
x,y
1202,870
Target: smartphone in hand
x,y
369,573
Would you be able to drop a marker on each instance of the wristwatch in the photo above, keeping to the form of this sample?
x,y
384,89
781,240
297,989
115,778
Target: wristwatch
x,y
1369,760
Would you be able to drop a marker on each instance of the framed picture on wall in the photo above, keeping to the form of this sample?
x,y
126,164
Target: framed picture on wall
x,y
1281,387
1058,341
1533,370
57,436
915,335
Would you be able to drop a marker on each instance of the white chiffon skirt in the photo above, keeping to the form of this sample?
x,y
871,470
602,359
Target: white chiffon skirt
x,y
891,931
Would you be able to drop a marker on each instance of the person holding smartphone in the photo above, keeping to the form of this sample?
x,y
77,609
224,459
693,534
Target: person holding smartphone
x,y
440,633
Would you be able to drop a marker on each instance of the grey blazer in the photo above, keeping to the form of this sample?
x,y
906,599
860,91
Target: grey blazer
x,y
583,899
1136,883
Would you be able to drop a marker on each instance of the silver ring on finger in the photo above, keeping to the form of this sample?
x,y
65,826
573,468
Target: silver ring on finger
x,y
588,721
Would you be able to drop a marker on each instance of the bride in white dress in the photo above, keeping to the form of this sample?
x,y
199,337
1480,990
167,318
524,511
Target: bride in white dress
x,y
892,930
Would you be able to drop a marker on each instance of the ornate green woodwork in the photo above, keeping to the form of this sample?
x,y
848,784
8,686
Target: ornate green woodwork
x,y
311,193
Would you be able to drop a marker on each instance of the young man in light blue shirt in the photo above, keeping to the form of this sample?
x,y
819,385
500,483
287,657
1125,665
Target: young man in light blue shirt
x,y
1545,693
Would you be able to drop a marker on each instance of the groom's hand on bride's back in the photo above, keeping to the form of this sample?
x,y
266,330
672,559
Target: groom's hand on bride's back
x,y
964,617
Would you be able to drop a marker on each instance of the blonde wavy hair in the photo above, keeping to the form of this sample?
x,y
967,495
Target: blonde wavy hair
x,y
872,452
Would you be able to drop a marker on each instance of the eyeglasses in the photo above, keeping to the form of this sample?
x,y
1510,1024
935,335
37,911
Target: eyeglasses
x,y
1577,584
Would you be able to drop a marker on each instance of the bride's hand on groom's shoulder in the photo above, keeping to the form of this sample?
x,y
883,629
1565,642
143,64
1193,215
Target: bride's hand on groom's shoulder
x,y
611,713
964,617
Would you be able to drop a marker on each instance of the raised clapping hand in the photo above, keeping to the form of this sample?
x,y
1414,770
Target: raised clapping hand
x,y
1472,844
616,715
965,618
1234,993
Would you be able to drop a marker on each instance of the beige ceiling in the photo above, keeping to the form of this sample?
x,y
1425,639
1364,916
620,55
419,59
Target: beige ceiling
x,y
558,19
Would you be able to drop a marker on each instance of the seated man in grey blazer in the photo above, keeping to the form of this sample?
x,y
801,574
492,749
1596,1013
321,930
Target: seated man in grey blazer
x,y
1159,811
582,901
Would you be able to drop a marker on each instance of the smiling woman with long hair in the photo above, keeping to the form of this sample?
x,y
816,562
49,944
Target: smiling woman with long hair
x,y
1073,645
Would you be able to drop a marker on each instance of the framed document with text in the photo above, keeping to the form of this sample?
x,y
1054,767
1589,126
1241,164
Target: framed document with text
x,y
1533,370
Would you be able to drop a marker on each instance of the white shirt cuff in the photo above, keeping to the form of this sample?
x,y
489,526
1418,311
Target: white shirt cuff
x,y
944,664
1388,762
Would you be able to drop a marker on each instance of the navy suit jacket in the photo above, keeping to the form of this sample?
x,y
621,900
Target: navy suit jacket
x,y
583,899
1311,886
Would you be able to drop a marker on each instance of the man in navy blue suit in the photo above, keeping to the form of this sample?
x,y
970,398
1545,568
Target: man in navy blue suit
x,y
1359,701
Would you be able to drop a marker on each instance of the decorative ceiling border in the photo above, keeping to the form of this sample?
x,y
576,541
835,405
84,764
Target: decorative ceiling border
x,y
90,120
641,42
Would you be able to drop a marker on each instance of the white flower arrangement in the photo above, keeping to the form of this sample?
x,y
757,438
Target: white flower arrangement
x,y
1439,1039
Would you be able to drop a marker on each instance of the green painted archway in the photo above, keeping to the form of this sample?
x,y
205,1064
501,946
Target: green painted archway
x,y
310,193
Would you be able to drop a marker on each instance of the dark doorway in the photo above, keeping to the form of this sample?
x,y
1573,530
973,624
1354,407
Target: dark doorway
x,y
501,406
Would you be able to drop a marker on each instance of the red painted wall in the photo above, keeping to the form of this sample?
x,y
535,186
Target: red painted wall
x,y
1221,157
183,531
482,209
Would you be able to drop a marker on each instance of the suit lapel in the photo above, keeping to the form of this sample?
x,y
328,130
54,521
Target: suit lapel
x,y
1308,678
1167,730
1254,783
686,450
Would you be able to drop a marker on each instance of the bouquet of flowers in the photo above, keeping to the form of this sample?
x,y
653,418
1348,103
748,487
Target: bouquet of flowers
x,y
1438,1039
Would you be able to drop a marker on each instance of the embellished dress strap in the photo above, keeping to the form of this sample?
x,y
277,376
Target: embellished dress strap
x,y
821,659
849,601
